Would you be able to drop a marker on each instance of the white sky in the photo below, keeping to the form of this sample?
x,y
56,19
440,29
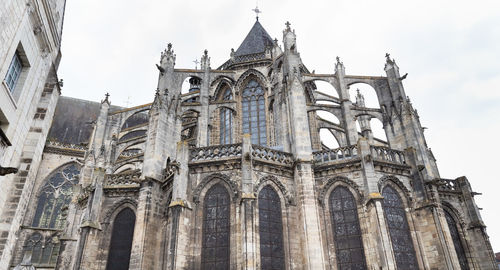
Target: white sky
x,y
450,48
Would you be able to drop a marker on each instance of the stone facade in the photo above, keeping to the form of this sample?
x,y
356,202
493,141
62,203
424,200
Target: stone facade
x,y
200,204
30,35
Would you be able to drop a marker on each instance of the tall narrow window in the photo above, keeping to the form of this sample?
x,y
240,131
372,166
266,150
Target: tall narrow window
x,y
54,196
226,124
270,230
215,243
346,230
121,240
402,243
14,72
254,113
457,242
42,253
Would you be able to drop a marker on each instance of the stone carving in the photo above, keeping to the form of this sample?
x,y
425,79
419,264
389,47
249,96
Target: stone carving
x,y
337,154
264,153
388,154
215,177
215,152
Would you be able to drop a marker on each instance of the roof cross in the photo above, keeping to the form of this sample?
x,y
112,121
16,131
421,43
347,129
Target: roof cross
x,y
196,62
257,11
287,25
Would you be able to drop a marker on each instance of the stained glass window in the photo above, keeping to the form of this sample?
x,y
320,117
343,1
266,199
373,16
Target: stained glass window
x,y
227,94
402,244
55,196
346,230
42,253
226,124
457,242
215,243
254,113
270,230
121,240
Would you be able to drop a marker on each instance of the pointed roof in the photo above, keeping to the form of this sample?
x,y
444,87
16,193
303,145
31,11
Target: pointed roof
x,y
256,41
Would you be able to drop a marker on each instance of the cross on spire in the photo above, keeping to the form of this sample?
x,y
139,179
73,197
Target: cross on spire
x,y
287,25
196,62
257,11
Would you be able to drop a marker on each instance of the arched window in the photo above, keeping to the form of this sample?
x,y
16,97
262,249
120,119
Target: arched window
x,y
254,112
121,240
227,94
226,124
402,243
457,242
270,230
215,243
346,230
42,253
54,197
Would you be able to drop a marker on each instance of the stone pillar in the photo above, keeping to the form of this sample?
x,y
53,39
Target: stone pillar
x,y
482,251
179,240
348,119
204,116
146,244
375,212
248,234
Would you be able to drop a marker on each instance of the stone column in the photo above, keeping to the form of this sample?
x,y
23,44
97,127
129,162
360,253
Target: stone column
x,y
345,104
248,234
375,212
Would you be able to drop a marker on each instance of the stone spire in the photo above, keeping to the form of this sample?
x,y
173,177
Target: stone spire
x,y
167,58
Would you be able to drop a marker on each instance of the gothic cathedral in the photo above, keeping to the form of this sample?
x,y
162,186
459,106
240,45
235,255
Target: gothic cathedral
x,y
232,174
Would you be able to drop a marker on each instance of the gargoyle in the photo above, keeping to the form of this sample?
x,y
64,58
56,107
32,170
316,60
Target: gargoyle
x,y
7,170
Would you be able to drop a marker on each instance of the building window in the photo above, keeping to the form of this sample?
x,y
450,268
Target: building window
x,y
402,243
42,253
227,94
121,240
346,230
14,72
55,196
457,241
254,113
226,124
215,242
270,230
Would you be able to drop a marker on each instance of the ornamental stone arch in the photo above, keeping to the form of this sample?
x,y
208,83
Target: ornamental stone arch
x,y
394,182
222,81
211,180
244,78
457,215
117,207
339,181
277,185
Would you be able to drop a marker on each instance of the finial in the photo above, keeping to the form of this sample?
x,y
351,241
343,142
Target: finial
x,y
287,25
257,11
205,52
338,59
196,62
232,53
107,96
169,46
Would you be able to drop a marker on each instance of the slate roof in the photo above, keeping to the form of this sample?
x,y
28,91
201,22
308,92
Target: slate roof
x,y
256,41
72,118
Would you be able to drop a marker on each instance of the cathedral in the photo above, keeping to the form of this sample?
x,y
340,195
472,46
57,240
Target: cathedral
x,y
233,174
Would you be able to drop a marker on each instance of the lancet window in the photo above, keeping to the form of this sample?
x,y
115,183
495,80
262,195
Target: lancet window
x,y
226,125
254,112
43,253
215,242
270,230
121,240
457,242
346,230
402,243
55,196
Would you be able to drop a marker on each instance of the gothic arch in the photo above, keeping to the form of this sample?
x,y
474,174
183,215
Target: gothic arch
x,y
213,179
399,186
219,78
248,75
277,185
117,207
336,181
128,116
457,215
222,86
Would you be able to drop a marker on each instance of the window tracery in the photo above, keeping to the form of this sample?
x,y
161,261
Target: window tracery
x,y
42,253
254,113
402,243
270,230
457,241
215,242
54,197
346,230
121,240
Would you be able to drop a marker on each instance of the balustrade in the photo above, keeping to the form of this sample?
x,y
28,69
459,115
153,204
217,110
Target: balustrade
x,y
388,154
342,153
215,152
260,152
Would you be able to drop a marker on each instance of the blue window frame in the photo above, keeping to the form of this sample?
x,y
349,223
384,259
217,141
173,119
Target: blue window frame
x,y
14,72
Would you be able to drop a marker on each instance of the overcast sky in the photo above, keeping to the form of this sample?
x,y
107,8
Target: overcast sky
x,y
450,48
